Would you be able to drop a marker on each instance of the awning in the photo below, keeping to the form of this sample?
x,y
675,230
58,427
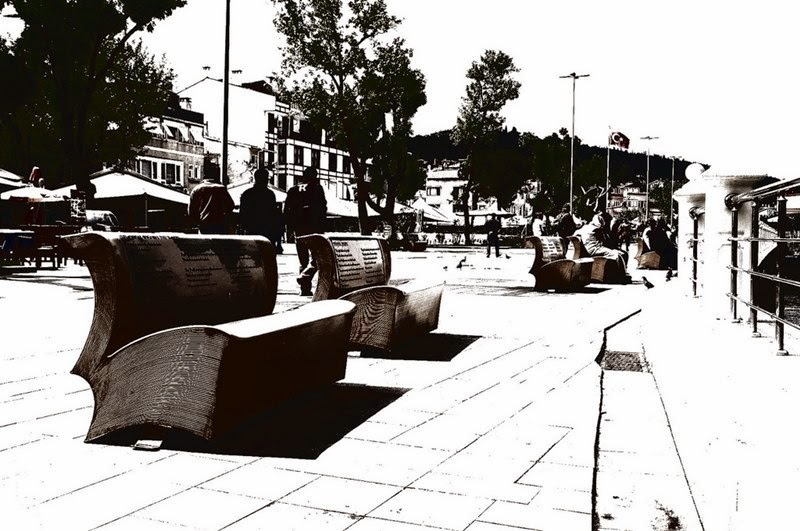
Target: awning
x,y
32,194
431,213
343,208
122,183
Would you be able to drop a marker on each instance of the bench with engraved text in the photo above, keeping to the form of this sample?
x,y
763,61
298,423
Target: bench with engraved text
x,y
646,258
357,268
552,269
604,270
183,336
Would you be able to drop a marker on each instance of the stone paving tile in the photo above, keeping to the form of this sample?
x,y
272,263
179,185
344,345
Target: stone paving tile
x,y
377,524
377,431
535,517
342,495
198,508
435,509
477,487
133,523
558,476
285,517
260,480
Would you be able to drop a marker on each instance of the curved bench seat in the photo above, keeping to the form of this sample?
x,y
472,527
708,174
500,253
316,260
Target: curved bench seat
x,y
183,337
604,270
553,270
357,269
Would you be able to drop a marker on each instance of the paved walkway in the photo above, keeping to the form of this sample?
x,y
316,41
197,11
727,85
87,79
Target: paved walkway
x,y
492,425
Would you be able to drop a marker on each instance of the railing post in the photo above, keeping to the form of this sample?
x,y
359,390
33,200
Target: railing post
x,y
781,250
754,232
734,262
695,237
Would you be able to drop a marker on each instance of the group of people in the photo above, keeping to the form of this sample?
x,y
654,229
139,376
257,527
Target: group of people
x,y
211,206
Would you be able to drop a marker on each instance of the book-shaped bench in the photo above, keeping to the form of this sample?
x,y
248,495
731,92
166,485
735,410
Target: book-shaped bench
x,y
604,270
182,335
357,268
553,270
646,258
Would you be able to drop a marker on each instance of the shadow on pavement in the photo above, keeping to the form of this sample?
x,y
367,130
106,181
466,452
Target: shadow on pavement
x,y
301,428
428,347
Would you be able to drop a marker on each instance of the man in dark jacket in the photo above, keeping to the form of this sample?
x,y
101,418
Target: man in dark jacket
x,y
257,209
492,235
209,206
565,223
306,209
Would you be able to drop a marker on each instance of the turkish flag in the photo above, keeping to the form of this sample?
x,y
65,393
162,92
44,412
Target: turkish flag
x,y
618,139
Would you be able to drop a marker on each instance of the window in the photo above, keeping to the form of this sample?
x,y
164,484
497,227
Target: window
x,y
315,158
346,164
434,190
332,160
270,153
282,180
298,155
282,154
170,173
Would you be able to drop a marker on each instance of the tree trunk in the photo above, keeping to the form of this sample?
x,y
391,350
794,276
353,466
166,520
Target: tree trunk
x,y
465,207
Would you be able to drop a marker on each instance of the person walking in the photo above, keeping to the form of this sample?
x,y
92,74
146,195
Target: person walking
x,y
210,205
492,235
306,208
257,208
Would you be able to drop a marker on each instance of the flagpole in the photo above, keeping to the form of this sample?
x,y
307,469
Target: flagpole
x,y
672,191
608,165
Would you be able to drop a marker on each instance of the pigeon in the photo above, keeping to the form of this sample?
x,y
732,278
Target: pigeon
x,y
507,257
647,283
445,268
461,263
669,274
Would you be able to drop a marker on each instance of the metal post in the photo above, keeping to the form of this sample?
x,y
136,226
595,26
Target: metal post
x,y
734,262
672,191
696,222
781,250
754,231
226,78
647,186
574,78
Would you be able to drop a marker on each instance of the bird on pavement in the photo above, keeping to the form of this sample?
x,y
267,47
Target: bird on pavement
x,y
647,283
507,257
461,263
669,274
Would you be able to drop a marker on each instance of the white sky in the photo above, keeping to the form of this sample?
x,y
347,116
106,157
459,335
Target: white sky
x,y
717,81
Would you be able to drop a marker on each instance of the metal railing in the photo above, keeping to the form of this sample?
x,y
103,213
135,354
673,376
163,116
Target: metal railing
x,y
695,213
765,196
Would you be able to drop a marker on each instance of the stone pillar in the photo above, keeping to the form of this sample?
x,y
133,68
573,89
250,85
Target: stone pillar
x,y
689,196
716,247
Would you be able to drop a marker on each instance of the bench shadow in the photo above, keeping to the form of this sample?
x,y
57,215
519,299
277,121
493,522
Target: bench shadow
x,y
300,428
427,347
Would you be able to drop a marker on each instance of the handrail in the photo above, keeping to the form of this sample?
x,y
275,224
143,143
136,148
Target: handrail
x,y
766,192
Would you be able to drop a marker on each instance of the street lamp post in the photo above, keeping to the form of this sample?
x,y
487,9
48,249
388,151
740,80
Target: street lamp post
x,y
647,186
224,168
574,77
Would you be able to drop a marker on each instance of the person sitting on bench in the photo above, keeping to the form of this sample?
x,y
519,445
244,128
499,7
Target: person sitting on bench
x,y
593,236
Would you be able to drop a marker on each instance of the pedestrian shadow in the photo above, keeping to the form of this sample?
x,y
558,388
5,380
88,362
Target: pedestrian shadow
x,y
300,428
427,347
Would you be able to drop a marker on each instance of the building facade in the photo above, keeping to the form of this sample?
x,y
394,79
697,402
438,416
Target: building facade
x,y
175,153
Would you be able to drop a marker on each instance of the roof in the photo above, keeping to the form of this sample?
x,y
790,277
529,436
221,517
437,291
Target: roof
x,y
125,183
7,175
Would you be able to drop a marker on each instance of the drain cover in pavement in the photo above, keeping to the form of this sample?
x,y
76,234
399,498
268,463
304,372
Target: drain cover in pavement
x,y
624,361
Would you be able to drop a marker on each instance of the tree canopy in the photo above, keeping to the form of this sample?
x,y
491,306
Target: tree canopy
x,y
81,85
346,73
478,127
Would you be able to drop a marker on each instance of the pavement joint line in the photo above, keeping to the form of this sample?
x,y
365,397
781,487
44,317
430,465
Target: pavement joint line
x,y
675,446
539,460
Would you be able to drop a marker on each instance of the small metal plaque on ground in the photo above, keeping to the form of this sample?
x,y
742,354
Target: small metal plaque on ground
x,y
624,361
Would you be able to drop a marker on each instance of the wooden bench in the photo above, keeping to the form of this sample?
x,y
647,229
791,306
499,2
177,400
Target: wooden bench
x,y
357,269
604,270
646,258
182,335
552,269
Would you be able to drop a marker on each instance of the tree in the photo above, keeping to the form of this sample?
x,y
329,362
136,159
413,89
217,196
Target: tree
x,y
479,121
85,84
346,75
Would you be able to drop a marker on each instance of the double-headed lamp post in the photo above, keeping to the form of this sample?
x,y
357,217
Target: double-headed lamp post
x,y
574,77
647,186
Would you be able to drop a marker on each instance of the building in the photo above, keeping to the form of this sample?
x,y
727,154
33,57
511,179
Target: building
x,y
175,153
264,131
443,187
